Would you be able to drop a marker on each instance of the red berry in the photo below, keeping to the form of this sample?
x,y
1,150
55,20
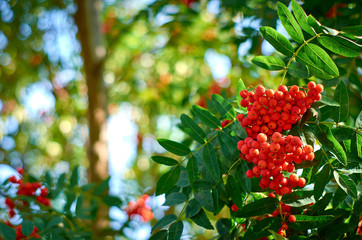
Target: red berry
x,y
20,170
312,85
234,208
292,218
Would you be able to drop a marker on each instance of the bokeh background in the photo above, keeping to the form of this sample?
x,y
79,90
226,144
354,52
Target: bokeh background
x,y
94,83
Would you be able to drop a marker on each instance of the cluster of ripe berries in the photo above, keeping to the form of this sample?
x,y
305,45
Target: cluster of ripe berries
x,y
140,208
272,111
20,235
281,153
27,189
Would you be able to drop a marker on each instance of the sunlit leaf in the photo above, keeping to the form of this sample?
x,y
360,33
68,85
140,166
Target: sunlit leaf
x,y
269,63
301,17
336,47
299,70
277,40
289,23
317,71
321,59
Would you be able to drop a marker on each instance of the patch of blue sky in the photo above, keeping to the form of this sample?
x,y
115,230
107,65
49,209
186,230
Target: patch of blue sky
x,y
219,64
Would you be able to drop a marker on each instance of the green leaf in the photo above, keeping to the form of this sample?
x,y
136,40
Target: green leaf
x,y
241,86
192,129
315,24
328,142
277,40
234,190
298,198
164,160
211,162
304,222
161,235
289,23
206,117
175,198
299,70
73,180
258,208
167,219
54,221
192,170
201,219
322,203
301,17
348,43
222,105
318,72
39,223
27,227
270,63
192,208
329,102
204,197
174,147
276,235
102,187
168,180
261,228
223,226
332,45
7,232
346,184
321,180
338,197
341,97
355,30
175,230
112,200
321,59
242,178
358,124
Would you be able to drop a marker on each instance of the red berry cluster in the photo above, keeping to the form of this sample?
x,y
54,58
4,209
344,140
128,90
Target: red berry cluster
x,y
281,153
19,233
140,208
272,111
27,189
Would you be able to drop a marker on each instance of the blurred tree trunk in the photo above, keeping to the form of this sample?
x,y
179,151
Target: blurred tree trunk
x,y
93,53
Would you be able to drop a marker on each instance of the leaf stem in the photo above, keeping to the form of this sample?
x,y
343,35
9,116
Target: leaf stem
x,y
295,54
